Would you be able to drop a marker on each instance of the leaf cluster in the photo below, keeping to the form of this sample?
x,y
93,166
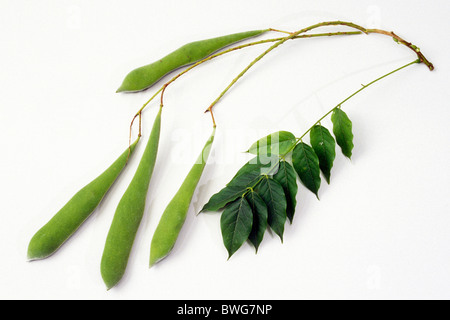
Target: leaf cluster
x,y
262,194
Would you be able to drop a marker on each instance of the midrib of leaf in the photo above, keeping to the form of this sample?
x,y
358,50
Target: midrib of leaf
x,y
309,166
323,142
271,193
340,127
286,175
328,154
235,229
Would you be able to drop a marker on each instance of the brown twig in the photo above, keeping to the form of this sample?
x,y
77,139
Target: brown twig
x,y
405,43
164,90
212,116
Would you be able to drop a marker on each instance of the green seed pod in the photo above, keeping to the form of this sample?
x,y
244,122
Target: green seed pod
x,y
129,214
174,215
144,77
52,236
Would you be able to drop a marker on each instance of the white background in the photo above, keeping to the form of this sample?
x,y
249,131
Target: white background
x,y
380,229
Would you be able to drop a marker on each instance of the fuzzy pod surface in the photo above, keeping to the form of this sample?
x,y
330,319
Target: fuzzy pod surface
x,y
129,213
174,215
67,220
144,77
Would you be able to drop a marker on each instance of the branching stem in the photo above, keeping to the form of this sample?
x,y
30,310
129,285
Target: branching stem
x,y
163,88
396,38
279,41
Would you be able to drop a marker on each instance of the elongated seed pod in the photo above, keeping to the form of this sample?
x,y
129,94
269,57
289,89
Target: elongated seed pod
x,y
53,235
144,77
174,215
129,214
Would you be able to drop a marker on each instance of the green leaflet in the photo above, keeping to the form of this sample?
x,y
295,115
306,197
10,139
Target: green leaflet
x,y
324,146
224,196
276,143
253,169
260,215
342,129
236,224
306,163
287,178
246,179
273,195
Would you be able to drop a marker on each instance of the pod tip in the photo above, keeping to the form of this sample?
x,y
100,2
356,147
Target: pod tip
x,y
33,256
153,261
109,286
